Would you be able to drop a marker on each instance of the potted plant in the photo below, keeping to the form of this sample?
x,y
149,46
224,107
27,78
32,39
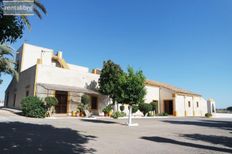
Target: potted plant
x,y
74,113
107,110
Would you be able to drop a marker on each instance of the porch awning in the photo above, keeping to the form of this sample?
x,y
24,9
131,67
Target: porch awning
x,y
67,88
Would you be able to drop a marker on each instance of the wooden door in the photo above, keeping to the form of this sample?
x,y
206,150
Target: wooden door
x,y
62,97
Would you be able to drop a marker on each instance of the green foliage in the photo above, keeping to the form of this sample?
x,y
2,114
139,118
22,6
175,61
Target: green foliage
x,y
7,64
85,99
107,109
154,105
162,114
208,115
11,27
132,87
229,108
145,108
118,114
50,101
122,108
82,107
108,81
135,108
33,107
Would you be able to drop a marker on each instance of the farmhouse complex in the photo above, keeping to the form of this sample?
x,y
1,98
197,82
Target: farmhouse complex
x,y
42,72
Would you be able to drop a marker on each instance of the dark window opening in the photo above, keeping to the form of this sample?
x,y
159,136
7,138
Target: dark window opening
x,y
7,99
27,93
14,99
189,104
94,103
197,104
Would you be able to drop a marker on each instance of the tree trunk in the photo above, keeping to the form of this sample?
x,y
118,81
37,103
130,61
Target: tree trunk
x,y
129,115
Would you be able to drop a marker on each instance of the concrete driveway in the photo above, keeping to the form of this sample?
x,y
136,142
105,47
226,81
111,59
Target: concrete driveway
x,y
72,135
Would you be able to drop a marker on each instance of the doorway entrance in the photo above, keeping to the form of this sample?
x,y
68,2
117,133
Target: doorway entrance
x,y
62,97
168,106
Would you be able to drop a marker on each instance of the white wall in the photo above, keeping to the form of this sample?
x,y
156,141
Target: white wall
x,y
60,76
78,68
31,53
180,105
189,109
152,93
25,83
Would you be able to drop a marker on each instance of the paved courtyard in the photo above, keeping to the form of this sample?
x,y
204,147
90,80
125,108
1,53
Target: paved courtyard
x,y
73,135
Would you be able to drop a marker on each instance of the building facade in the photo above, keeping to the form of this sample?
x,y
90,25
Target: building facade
x,y
43,73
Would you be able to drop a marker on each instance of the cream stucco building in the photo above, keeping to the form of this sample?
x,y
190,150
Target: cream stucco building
x,y
42,72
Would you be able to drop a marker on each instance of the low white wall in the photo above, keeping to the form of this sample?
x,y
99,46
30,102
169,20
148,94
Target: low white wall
x,y
222,115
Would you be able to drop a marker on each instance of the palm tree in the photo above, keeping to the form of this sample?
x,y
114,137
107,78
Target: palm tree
x,y
7,64
38,8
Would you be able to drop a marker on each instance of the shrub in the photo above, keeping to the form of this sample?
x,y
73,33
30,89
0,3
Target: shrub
x,y
50,101
107,109
33,107
118,114
145,108
154,105
85,99
135,108
163,114
208,115
122,108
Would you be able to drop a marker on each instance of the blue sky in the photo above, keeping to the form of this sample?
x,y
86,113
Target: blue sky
x,y
187,43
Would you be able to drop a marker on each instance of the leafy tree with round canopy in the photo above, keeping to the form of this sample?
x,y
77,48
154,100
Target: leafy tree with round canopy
x,y
109,79
132,89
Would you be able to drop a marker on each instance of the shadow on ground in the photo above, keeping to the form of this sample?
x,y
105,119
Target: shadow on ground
x,y
99,121
17,137
222,140
187,144
226,125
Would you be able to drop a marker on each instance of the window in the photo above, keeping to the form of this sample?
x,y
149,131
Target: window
x,y
189,104
14,99
94,103
197,104
27,93
7,99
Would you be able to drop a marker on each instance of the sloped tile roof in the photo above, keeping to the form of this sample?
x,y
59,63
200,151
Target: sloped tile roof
x,y
170,87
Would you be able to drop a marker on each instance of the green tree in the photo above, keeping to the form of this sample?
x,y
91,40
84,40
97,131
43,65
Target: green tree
x,y
109,79
7,64
133,89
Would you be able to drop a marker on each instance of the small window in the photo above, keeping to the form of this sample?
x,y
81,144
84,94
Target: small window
x,y
14,99
94,103
27,93
197,104
189,104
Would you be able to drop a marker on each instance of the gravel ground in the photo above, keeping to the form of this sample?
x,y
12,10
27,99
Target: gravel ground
x,y
73,135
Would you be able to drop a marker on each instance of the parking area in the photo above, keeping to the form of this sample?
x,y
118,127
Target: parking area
x,y
19,134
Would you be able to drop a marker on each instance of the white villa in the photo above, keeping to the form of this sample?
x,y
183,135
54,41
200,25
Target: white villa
x,y
43,73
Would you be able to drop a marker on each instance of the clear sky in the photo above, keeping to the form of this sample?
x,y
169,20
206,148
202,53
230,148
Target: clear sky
x,y
187,43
